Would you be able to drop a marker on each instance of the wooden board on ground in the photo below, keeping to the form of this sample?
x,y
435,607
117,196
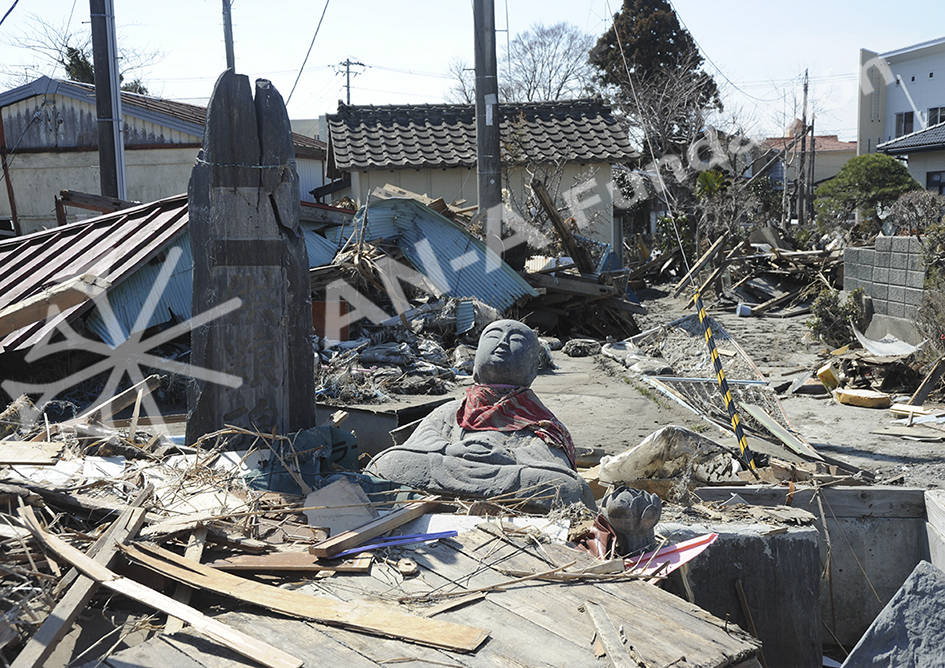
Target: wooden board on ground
x,y
534,623
293,561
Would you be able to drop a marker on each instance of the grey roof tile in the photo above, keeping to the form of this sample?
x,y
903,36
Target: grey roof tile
x,y
930,139
363,138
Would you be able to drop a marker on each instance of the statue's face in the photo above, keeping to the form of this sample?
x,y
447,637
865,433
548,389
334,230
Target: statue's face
x,y
507,355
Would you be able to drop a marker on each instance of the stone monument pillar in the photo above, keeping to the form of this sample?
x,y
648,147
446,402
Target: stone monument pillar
x,y
244,229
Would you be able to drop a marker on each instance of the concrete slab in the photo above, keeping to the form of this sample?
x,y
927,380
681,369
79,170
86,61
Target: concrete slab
x,y
779,575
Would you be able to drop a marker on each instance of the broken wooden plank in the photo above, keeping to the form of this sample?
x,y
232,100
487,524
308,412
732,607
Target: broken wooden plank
x,y
122,400
578,254
364,616
238,641
36,453
349,539
571,285
703,261
777,301
929,383
292,561
607,633
75,600
60,298
195,545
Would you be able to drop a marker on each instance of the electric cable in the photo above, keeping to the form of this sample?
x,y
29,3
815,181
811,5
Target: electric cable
x,y
301,69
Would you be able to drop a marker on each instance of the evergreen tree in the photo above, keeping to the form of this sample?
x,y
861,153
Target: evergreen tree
x,y
652,67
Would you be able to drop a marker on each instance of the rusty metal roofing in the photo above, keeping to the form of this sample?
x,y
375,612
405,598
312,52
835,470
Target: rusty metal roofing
x,y
128,249
180,116
363,138
110,247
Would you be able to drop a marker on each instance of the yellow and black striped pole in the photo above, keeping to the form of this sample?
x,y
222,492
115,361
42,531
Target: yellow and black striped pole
x,y
747,457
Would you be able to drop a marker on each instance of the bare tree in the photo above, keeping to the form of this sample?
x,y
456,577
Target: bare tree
x,y
463,88
543,63
547,63
56,47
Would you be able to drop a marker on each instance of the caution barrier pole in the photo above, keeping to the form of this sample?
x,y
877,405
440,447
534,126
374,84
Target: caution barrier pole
x,y
747,457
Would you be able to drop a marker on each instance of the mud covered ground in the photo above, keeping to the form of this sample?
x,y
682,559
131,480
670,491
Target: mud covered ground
x,y
605,406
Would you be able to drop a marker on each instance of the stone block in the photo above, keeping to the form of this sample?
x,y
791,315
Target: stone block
x,y
899,261
897,292
914,296
881,259
916,263
901,244
897,277
896,309
879,292
910,630
880,274
883,244
915,279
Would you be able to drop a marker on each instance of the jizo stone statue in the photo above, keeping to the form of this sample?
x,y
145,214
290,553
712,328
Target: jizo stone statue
x,y
499,441
247,245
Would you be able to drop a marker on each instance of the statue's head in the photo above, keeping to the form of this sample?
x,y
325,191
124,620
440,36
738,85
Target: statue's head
x,y
507,354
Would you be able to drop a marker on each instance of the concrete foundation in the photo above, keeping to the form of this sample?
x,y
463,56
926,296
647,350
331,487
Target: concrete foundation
x,y
874,536
779,575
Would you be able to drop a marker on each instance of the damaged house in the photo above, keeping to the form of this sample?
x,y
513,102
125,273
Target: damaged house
x,y
49,143
431,149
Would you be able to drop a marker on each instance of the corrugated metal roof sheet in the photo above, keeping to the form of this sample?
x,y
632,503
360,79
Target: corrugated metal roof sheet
x,y
110,247
457,263
128,248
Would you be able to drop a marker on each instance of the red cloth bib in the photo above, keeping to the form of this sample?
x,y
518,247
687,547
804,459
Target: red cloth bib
x,y
496,408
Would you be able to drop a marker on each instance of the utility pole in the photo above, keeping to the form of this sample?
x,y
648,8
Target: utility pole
x,y
111,149
810,169
801,180
228,36
347,65
488,159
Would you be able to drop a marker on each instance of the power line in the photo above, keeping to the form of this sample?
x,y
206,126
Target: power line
x,y
308,53
8,12
717,69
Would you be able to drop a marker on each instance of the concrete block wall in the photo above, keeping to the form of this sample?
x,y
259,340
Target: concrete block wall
x,y
891,273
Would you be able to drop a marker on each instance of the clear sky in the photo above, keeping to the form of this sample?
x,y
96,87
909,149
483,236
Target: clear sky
x,y
758,48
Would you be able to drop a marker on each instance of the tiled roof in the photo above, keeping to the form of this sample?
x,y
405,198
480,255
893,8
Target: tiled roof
x,y
822,143
930,139
444,135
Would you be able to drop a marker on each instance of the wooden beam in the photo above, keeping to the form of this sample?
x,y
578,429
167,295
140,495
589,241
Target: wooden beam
x,y
195,545
349,539
703,261
928,383
374,618
106,409
91,202
777,301
571,285
60,297
75,600
579,255
238,641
